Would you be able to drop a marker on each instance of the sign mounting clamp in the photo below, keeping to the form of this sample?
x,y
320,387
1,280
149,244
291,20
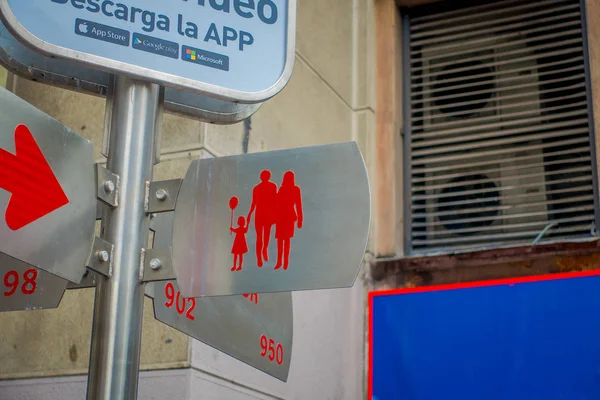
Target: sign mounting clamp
x,y
107,186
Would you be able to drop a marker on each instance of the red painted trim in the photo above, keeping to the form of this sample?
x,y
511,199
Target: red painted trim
x,y
494,282
370,365
454,286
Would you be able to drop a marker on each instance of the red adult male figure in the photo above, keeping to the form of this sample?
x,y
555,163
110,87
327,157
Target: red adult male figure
x,y
263,202
289,212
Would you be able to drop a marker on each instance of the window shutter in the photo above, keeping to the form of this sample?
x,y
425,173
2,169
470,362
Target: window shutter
x,y
499,131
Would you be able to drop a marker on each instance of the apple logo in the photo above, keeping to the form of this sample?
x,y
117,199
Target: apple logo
x,y
83,28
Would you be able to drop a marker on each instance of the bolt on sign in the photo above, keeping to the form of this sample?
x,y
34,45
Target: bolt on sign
x,y
233,49
47,189
271,222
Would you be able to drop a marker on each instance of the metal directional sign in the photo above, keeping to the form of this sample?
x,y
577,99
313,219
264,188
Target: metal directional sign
x,y
26,288
33,66
270,222
256,329
240,50
48,190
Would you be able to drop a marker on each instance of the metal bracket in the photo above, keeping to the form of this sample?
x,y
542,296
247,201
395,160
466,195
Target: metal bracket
x,y
110,98
107,186
101,259
88,281
156,265
99,210
161,196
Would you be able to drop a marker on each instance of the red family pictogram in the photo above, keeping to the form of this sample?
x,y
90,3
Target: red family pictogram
x,y
240,247
281,207
263,205
253,297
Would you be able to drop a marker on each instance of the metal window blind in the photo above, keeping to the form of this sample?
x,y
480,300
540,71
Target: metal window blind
x,y
498,130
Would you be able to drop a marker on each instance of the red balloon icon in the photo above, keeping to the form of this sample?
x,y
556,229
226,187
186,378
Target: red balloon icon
x,y
233,203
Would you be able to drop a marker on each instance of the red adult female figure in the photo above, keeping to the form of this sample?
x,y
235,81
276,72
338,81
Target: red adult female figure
x,y
289,213
240,247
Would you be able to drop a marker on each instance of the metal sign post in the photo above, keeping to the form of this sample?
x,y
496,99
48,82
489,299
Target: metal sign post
x,y
118,309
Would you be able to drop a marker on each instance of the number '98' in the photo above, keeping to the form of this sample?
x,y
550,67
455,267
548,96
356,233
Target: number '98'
x,y
12,281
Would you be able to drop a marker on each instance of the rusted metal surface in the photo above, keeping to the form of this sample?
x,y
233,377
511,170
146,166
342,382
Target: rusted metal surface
x,y
413,3
484,265
491,256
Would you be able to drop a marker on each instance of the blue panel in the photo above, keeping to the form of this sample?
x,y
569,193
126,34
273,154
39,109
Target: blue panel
x,y
535,340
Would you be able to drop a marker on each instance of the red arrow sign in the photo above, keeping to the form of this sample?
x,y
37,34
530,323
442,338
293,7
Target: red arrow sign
x,y
27,175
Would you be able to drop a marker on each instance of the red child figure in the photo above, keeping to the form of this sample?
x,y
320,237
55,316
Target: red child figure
x,y
240,247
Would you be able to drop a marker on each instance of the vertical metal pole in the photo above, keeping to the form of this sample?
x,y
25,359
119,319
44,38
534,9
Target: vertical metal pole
x,y
119,304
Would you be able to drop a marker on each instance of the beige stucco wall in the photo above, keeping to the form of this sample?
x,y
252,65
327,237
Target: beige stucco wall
x,y
330,98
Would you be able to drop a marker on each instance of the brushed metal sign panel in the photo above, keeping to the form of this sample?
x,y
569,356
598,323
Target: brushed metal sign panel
x,y
47,190
271,222
254,328
23,287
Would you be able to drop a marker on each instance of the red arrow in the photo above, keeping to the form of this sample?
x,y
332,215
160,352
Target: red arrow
x,y
27,175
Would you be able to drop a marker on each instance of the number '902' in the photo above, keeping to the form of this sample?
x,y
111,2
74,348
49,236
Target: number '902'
x,y
179,302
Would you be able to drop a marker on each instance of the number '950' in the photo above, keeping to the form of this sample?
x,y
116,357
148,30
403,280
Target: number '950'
x,y
270,350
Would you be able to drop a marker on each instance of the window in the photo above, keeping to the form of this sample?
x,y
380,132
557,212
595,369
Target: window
x,y
498,125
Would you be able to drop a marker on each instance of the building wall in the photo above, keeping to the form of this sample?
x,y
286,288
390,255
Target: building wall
x,y
330,98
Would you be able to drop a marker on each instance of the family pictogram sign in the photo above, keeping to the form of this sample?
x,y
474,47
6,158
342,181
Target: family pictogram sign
x,y
271,222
